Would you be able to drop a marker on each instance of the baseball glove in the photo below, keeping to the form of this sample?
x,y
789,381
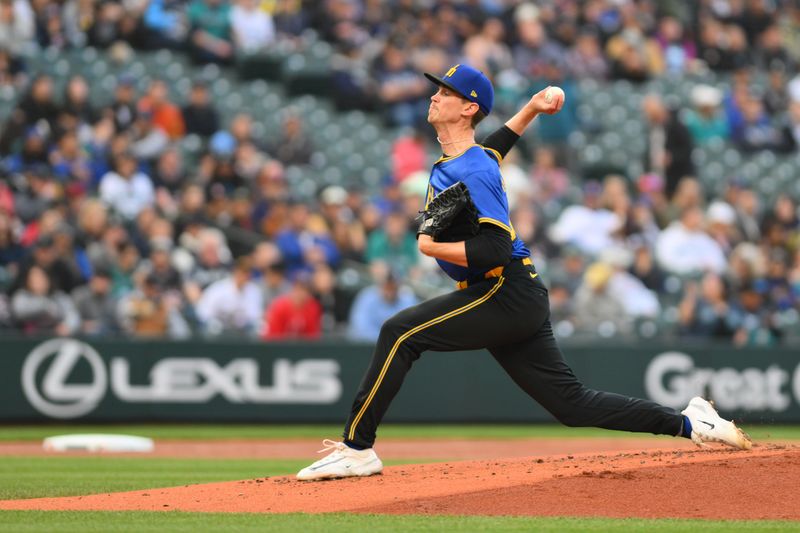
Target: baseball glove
x,y
450,216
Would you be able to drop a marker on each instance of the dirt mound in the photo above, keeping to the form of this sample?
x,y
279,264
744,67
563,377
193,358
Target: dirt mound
x,y
717,484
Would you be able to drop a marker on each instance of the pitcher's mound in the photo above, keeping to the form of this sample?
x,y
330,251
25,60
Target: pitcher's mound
x,y
719,484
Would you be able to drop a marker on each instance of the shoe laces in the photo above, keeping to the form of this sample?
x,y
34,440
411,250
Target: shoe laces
x,y
332,445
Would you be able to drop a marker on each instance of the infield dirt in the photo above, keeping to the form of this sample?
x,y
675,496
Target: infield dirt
x,y
668,482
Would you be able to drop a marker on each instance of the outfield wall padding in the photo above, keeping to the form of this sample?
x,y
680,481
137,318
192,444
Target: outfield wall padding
x,y
202,381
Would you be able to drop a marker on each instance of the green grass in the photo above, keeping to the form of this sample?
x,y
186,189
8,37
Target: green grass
x,y
252,431
175,522
32,477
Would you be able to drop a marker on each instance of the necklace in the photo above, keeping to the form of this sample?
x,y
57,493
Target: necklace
x,y
452,142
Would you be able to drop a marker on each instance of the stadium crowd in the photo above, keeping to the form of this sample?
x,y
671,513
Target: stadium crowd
x,y
107,229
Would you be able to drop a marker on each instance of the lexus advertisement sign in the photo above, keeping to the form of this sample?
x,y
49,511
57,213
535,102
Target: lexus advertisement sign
x,y
67,379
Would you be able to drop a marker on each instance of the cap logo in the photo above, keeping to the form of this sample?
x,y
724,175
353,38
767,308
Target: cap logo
x,y
452,71
473,94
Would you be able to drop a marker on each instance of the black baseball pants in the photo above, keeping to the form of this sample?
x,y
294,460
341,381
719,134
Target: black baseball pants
x,y
509,316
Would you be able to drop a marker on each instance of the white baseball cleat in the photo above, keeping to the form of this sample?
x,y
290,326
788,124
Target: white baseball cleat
x,y
708,426
343,461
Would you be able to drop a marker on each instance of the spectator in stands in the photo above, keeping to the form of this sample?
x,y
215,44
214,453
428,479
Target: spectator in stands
x,y
332,300
12,70
17,29
124,265
50,32
165,115
408,154
393,244
669,144
296,314
210,36
274,282
36,113
147,141
597,310
770,55
722,46
401,89
293,146
746,204
70,253
757,326
588,227
634,56
200,115
644,267
677,50
125,189
782,224
706,121
150,312
96,305
44,255
40,309
305,240
689,193
11,252
487,50
123,108
722,225
684,248
77,102
756,131
777,287
252,28
212,258
706,312
776,95
586,59
636,299
550,180
158,266
377,302
70,162
166,23
170,173
232,305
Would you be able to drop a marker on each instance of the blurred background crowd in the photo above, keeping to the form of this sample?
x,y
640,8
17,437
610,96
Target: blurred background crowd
x,y
687,228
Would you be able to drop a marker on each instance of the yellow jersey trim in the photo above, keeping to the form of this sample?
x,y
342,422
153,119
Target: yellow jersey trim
x,y
404,336
451,157
509,229
497,155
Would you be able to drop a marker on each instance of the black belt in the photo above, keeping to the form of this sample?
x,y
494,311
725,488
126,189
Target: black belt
x,y
496,272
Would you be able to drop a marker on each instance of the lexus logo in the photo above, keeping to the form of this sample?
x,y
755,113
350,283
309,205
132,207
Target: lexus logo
x,y
56,397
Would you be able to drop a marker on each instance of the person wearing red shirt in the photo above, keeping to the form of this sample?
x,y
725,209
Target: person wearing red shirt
x,y
166,115
294,315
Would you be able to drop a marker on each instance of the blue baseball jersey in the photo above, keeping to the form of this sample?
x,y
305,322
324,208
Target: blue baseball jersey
x,y
478,168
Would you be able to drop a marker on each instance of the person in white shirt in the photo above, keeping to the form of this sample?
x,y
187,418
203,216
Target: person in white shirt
x,y
253,28
684,248
232,305
125,189
588,227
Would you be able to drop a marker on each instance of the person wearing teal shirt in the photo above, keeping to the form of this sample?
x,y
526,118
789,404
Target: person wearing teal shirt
x,y
210,39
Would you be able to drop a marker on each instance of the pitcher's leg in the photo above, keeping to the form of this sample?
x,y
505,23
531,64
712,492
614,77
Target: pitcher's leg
x,y
450,322
538,367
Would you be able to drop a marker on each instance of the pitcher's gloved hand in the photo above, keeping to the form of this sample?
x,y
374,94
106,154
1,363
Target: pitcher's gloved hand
x,y
450,216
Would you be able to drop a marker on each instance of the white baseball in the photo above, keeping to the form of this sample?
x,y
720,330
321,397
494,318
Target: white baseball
x,y
552,92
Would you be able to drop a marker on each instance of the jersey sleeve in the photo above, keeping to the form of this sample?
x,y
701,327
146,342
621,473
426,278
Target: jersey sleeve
x,y
500,142
488,194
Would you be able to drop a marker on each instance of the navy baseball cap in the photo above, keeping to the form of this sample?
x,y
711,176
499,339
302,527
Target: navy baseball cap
x,y
470,83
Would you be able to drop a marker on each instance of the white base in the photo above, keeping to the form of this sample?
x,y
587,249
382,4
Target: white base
x,y
98,443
